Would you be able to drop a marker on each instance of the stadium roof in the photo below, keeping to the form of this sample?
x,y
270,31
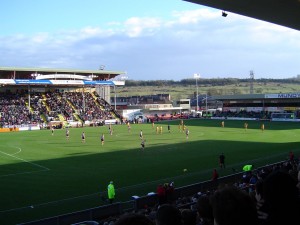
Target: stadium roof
x,y
292,95
239,97
282,12
31,73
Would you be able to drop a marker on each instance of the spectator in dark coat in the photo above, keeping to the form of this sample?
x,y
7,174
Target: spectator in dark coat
x,y
232,206
168,214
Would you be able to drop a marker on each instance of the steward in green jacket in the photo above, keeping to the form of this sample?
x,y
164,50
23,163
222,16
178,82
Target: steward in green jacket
x,y
111,192
247,168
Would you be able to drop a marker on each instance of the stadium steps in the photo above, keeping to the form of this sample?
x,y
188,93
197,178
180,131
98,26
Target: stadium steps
x,y
77,117
94,96
43,117
61,117
30,108
44,101
71,104
47,106
96,101
112,112
116,117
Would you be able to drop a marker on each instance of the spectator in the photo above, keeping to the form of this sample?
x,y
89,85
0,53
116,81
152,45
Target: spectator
x,y
205,212
134,219
298,177
168,214
281,199
291,156
253,179
246,177
261,209
189,217
161,193
232,206
170,193
215,175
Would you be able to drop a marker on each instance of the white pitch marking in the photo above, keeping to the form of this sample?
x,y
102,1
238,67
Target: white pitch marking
x,y
14,174
25,161
18,151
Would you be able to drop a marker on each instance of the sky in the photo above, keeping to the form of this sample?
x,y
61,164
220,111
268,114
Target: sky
x,y
147,39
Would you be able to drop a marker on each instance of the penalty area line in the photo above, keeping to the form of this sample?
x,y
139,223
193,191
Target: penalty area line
x,y
14,174
26,161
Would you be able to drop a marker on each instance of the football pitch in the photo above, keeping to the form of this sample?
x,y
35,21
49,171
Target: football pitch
x,y
43,175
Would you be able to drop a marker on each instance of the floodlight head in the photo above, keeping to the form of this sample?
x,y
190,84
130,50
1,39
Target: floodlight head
x,y
224,14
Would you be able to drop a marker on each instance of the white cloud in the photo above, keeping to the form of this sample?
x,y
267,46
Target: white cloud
x,y
40,38
91,31
196,41
135,26
194,16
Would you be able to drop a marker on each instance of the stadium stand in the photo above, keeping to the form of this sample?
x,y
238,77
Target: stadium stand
x,y
16,109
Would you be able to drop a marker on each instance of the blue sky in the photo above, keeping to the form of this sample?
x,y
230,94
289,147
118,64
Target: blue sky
x,y
150,40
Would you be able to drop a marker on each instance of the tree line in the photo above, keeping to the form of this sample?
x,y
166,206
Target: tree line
x,y
210,82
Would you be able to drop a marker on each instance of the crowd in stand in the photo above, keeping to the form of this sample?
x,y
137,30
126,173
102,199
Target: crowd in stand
x,y
268,196
88,107
16,109
56,104
37,105
244,114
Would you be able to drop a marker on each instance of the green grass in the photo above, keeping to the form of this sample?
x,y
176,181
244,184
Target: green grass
x,y
57,176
